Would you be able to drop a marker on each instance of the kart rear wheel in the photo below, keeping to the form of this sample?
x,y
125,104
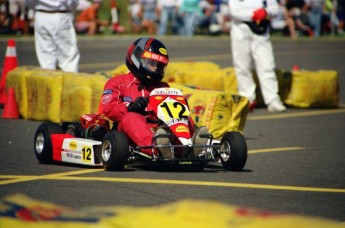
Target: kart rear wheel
x,y
42,142
115,151
233,151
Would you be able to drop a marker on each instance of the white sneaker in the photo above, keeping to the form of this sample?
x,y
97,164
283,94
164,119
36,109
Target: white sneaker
x,y
276,106
197,140
165,152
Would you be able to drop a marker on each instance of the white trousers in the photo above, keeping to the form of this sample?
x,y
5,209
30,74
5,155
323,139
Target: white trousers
x,y
247,46
56,41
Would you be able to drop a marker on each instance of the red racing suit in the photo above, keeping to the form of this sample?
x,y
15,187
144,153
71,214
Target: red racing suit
x,y
118,93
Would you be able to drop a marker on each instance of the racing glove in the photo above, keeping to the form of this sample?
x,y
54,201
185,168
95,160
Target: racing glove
x,y
138,106
259,15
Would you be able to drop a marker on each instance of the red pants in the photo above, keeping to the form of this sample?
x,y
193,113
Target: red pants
x,y
139,131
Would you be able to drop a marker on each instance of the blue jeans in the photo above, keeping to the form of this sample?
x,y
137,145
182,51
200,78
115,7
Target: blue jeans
x,y
315,15
168,13
190,23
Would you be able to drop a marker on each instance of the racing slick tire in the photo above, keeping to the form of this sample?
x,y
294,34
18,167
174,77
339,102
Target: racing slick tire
x,y
115,152
74,128
42,142
233,151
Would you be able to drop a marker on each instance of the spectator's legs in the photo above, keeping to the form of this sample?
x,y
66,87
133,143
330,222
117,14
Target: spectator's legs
x,y
290,23
150,26
17,10
180,24
173,20
341,17
66,41
44,43
92,28
163,21
265,65
149,22
190,21
241,57
315,19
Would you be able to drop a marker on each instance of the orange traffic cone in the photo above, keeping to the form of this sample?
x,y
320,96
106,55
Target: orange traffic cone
x,y
9,64
11,107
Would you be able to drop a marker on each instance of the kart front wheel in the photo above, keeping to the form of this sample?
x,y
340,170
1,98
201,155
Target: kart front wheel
x,y
115,151
233,151
42,142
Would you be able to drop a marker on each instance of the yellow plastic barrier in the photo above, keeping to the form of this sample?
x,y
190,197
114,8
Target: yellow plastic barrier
x,y
212,77
228,112
59,96
220,111
314,89
194,65
55,95
44,95
17,80
81,94
98,83
21,211
75,102
211,80
76,96
175,69
229,80
122,69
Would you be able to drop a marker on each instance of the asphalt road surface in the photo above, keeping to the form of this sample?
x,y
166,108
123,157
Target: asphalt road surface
x,y
295,163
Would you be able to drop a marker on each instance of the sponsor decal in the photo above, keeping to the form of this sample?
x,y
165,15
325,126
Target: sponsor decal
x,y
158,98
127,99
107,91
177,120
106,98
166,92
147,55
182,129
73,145
154,56
185,162
73,156
180,98
163,51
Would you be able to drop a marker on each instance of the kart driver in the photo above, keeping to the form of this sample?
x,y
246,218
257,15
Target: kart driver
x,y
125,97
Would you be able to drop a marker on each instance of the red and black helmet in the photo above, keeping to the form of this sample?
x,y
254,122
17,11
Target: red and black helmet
x,y
147,58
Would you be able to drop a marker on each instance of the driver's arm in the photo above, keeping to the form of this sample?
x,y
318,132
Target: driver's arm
x,y
112,105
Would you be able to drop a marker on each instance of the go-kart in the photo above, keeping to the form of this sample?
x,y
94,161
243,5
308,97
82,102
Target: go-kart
x,y
94,141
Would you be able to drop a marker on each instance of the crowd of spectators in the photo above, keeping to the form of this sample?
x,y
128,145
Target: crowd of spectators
x,y
189,17
310,17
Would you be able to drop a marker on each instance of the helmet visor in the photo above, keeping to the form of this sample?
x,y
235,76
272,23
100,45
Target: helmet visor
x,y
154,62
153,66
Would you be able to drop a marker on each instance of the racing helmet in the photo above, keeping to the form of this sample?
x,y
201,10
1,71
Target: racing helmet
x,y
147,58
